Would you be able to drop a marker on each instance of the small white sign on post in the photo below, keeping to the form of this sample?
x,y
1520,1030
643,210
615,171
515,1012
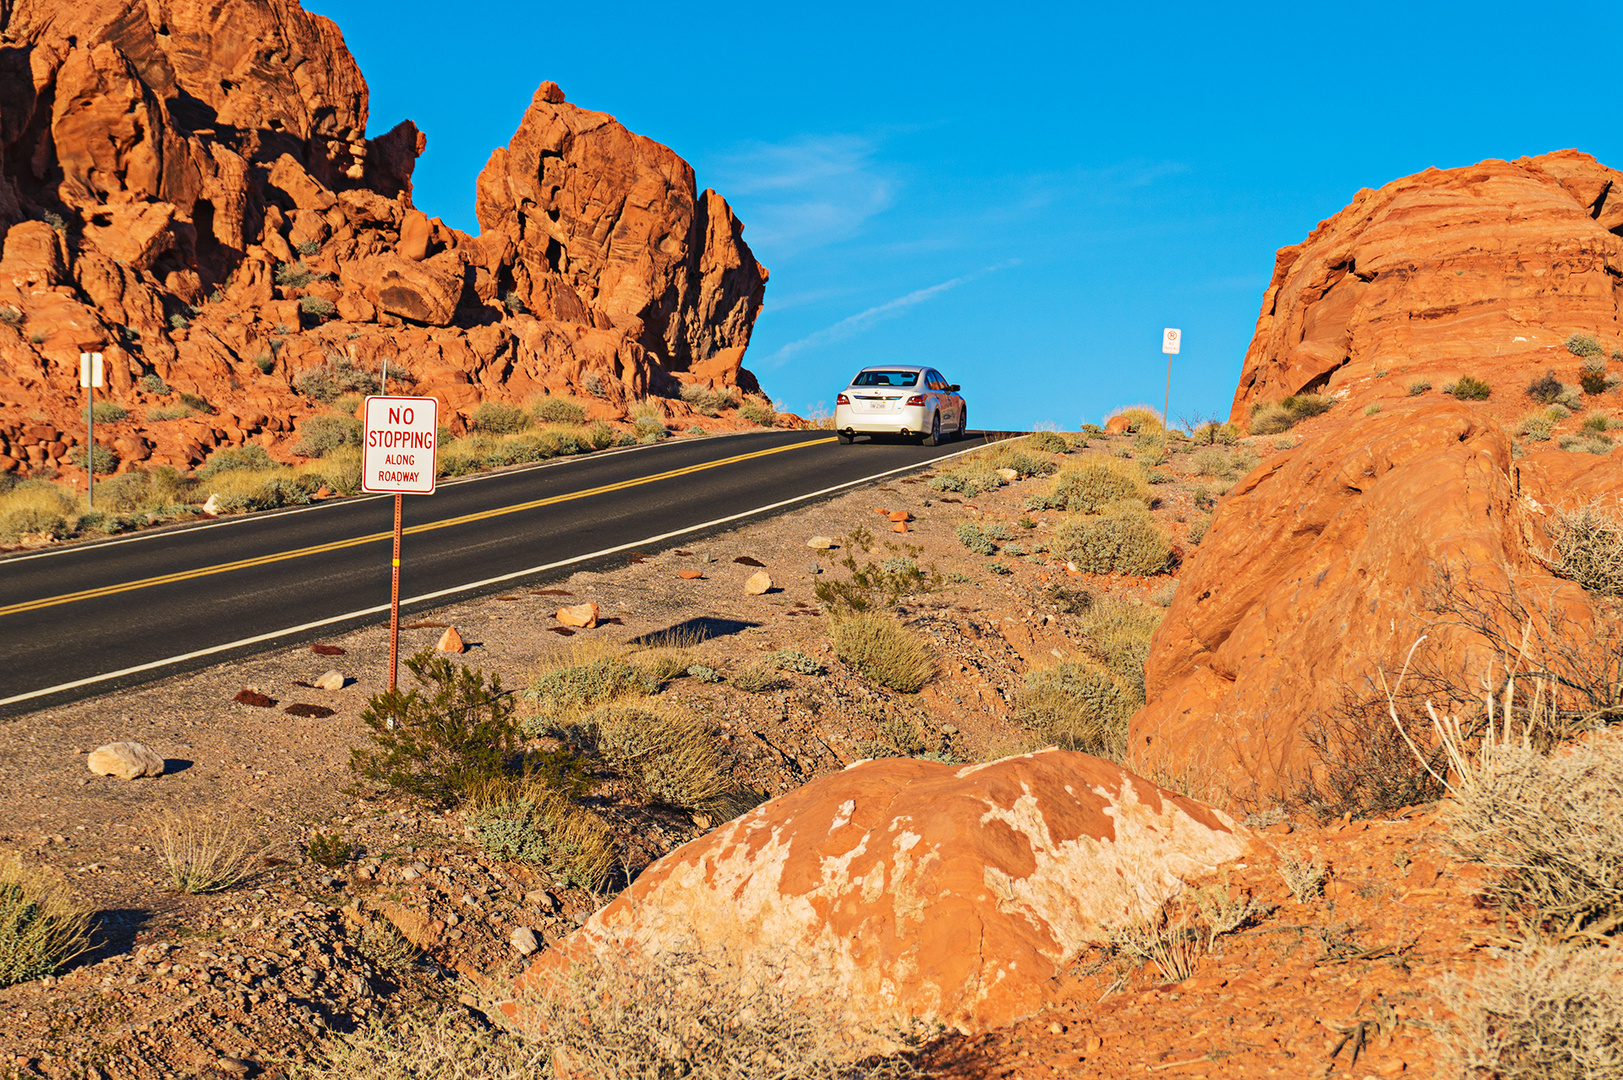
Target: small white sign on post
x,y
400,454
89,369
1170,339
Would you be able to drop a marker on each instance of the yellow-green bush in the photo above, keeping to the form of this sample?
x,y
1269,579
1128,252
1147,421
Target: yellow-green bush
x,y
1094,483
527,821
1119,633
1273,418
1125,540
882,649
667,755
35,507
557,409
1078,705
41,927
1140,418
240,490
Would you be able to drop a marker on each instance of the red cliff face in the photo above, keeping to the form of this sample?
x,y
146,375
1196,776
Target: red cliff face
x,y
189,188
1484,271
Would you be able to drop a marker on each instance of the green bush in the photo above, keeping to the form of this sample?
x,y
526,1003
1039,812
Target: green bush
x,y
1545,389
758,413
238,491
883,650
667,757
1470,388
105,459
587,684
1418,387
106,412
1125,540
156,490
41,927
1048,442
649,428
530,823
796,661
872,584
154,384
1119,633
980,538
295,275
320,435
1092,484
339,374
318,307
197,403
558,410
1078,705
498,418
1535,428
330,850
600,435
440,744
1585,345
249,456
1593,377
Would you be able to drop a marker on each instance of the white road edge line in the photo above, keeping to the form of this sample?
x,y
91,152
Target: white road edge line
x,y
256,639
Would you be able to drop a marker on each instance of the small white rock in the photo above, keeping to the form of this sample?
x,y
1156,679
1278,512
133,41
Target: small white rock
x,y
212,506
333,680
820,543
759,583
524,941
125,760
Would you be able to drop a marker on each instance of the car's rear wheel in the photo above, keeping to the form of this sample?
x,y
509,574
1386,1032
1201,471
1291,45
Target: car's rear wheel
x,y
963,421
934,438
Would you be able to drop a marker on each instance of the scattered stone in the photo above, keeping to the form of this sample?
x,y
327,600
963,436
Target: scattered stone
x,y
900,526
759,582
881,510
124,760
333,680
233,1066
745,560
900,515
254,698
1008,474
300,708
326,650
450,642
690,575
523,939
541,899
581,615
820,543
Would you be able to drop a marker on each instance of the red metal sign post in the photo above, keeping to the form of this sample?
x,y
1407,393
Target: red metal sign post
x,y
399,454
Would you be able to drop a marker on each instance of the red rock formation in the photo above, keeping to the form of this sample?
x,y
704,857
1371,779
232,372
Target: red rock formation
x,y
911,892
190,190
1483,270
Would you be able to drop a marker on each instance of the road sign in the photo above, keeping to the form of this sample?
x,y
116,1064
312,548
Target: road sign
x,y
1170,339
89,369
400,453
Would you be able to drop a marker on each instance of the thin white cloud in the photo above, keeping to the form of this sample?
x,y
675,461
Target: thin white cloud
x,y
852,325
806,192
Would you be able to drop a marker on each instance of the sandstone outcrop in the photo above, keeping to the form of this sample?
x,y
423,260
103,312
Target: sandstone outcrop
x,y
916,892
1483,270
191,191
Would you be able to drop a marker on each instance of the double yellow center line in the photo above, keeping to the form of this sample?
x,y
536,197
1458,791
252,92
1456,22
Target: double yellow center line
x,y
338,545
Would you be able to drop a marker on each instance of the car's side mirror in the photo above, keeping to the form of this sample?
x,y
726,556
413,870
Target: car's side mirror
x,y
952,388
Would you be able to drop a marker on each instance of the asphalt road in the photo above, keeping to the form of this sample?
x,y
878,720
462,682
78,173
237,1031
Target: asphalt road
x,y
95,617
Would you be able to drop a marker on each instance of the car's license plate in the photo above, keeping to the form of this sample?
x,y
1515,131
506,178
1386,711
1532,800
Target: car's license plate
x,y
876,404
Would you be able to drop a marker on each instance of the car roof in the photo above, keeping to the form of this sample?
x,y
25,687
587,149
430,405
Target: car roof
x,y
894,367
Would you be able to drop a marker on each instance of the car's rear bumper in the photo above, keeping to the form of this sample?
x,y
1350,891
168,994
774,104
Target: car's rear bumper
x,y
912,419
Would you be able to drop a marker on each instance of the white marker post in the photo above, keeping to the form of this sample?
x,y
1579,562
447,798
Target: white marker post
x,y
399,454
1171,339
89,379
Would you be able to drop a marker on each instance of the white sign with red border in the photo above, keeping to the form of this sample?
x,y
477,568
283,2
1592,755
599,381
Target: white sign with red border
x,y
400,454
1170,341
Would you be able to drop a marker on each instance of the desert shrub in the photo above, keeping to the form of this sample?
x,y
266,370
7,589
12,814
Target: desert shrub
x,y
1092,484
872,585
558,410
796,661
1586,444
758,677
1469,388
1588,548
106,412
588,682
1537,1013
1419,386
105,460
1584,345
649,428
319,435
758,413
517,451
1535,427
161,414
318,307
330,850
1364,766
179,321
196,403
498,418
666,755
437,740
11,315
41,927
1271,419
1119,633
1593,377
237,491
1595,424
600,435
159,489
1048,442
339,374
555,443
249,456
296,275
703,673
1544,389
883,650
205,853
1125,540
1140,418
709,402
340,469
1211,462
982,538
1078,705
154,384
34,507
532,823
307,247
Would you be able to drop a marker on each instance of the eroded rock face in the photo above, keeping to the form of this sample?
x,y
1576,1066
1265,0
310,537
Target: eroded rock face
x,y
916,891
1315,574
1482,270
190,190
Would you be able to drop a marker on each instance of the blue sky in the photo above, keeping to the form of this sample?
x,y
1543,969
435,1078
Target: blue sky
x,y
1021,195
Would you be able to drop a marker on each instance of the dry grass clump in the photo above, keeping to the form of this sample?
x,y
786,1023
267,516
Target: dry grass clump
x,y
557,409
1078,705
1589,548
667,755
1305,880
758,677
205,853
1271,419
630,1017
1184,928
978,471
590,677
1119,633
1539,1013
1140,419
1093,484
759,412
708,402
41,927
35,508
883,650
1124,540
529,821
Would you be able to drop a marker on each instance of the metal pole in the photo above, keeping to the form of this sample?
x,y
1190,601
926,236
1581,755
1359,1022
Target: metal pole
x,y
1166,409
90,448
394,601
383,388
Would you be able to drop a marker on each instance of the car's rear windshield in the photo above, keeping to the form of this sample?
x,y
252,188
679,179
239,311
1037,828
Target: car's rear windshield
x,y
886,378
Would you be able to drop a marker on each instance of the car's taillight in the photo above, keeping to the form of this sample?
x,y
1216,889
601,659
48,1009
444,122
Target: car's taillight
x,y
841,399
916,399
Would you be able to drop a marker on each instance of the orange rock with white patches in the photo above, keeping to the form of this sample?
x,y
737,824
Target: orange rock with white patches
x,y
916,891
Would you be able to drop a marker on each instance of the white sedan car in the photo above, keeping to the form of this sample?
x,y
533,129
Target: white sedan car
x,y
900,399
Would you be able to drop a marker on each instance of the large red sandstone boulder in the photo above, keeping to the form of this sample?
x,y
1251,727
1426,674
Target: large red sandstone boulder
x,y
1483,270
1314,577
914,892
